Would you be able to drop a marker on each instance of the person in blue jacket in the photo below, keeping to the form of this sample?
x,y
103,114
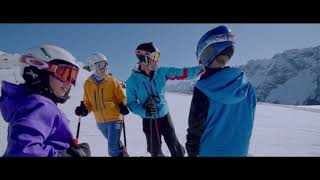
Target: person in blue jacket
x,y
223,106
146,97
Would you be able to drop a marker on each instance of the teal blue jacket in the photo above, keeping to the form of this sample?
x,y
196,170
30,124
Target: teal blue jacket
x,y
140,87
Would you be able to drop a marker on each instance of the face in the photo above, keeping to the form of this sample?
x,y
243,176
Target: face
x,y
58,87
101,72
152,64
144,67
147,68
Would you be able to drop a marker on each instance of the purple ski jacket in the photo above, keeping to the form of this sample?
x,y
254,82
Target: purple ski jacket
x,y
36,126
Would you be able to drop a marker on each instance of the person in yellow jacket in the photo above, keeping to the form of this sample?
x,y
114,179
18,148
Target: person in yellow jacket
x,y
104,97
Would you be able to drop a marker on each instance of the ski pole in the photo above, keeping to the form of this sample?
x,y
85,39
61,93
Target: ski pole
x,y
78,129
75,141
125,138
124,133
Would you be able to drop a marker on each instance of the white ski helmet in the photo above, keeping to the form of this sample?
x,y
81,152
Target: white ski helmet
x,y
36,74
48,53
94,58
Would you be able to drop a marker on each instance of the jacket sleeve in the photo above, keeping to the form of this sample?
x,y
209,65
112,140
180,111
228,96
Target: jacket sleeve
x,y
30,131
86,98
172,73
120,97
197,117
132,99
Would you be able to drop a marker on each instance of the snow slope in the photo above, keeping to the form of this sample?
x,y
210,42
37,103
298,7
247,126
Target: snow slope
x,y
279,130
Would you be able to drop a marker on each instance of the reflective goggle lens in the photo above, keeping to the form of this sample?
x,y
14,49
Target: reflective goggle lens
x,y
101,64
154,56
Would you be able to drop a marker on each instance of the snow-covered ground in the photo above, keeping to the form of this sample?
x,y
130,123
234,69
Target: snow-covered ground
x,y
279,130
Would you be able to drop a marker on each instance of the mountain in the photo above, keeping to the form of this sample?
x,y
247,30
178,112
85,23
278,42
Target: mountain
x,y
9,60
291,77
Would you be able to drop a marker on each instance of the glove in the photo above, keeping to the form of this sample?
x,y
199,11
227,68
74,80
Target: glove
x,y
151,111
123,109
151,105
81,110
77,150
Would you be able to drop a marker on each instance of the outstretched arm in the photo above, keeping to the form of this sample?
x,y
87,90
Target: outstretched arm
x,y
183,73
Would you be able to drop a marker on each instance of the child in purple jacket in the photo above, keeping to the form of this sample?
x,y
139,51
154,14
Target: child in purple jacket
x,y
36,126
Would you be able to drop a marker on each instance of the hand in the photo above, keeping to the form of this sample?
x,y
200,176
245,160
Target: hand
x,y
123,109
81,110
77,150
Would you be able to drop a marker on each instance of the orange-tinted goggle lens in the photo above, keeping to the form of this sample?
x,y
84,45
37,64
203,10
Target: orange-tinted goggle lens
x,y
66,73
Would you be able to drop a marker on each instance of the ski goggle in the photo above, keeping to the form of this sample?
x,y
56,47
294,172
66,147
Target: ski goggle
x,y
64,72
154,56
101,64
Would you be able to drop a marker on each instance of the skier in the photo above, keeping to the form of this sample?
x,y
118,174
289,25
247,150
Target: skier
x,y
36,126
224,102
146,98
104,97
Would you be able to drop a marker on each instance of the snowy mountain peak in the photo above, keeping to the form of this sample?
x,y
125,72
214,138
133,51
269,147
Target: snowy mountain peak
x,y
291,77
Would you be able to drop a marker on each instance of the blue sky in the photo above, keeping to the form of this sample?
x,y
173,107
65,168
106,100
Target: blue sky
x,y
177,42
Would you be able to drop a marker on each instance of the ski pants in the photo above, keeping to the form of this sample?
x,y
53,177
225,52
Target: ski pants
x,y
154,129
112,131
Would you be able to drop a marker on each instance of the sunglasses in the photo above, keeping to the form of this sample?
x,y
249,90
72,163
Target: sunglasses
x,y
154,56
64,72
101,64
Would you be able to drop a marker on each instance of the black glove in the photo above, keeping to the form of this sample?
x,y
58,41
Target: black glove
x,y
151,105
81,110
78,150
123,109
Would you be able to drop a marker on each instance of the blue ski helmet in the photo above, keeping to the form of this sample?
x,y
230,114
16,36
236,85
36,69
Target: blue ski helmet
x,y
215,42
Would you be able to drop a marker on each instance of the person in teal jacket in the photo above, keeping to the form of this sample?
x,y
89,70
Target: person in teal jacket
x,y
146,97
224,102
